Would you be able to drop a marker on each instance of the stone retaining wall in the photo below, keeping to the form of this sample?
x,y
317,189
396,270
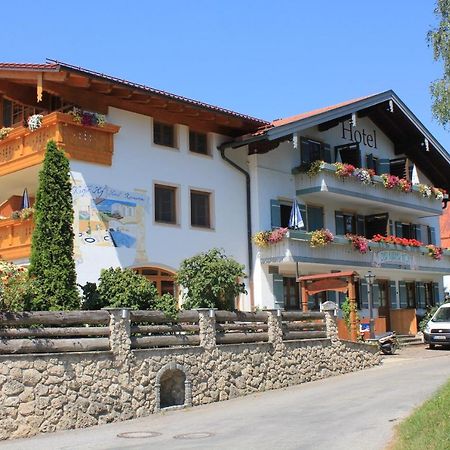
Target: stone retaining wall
x,y
48,392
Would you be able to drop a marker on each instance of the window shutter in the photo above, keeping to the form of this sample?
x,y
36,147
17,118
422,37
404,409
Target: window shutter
x,y
369,161
278,291
383,166
398,229
305,156
403,296
424,233
420,295
391,228
431,235
315,218
417,232
339,218
363,295
360,225
436,294
275,214
393,294
326,153
376,295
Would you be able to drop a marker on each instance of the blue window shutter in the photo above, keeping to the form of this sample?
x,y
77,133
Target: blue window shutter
x,y
278,291
339,218
436,294
391,228
360,225
431,235
326,153
305,152
393,294
384,166
275,214
363,295
369,161
315,218
402,292
398,229
420,295
417,232
376,295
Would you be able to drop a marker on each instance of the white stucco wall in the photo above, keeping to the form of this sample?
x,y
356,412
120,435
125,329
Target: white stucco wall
x,y
137,165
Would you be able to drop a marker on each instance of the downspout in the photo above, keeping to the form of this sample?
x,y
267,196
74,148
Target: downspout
x,y
222,148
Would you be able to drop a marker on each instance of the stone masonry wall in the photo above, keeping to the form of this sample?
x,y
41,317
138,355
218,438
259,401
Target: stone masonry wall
x,y
48,392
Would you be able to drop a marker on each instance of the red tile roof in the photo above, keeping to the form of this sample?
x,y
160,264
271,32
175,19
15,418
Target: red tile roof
x,y
26,66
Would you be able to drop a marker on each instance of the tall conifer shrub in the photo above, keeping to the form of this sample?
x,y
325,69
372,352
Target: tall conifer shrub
x,y
52,267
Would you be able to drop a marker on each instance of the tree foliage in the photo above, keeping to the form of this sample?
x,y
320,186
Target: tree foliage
x,y
439,39
52,268
210,280
123,288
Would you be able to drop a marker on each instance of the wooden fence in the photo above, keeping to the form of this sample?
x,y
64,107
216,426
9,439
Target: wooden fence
x,y
81,331
154,329
54,331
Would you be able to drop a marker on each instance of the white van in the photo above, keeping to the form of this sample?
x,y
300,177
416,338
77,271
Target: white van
x,y
437,331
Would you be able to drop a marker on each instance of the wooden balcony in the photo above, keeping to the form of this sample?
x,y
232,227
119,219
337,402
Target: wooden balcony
x,y
15,239
23,148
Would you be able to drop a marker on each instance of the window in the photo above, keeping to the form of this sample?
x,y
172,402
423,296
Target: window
x,y
200,209
349,153
345,223
165,204
312,151
429,297
162,279
163,134
376,224
285,212
410,294
198,142
398,167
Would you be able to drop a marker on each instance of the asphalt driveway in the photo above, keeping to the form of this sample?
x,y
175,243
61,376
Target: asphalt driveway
x,y
353,411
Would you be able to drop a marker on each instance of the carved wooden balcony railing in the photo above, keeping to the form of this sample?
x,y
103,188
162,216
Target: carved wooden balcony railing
x,y
15,239
23,148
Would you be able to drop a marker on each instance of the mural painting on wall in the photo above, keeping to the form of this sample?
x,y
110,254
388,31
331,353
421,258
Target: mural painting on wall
x,y
107,217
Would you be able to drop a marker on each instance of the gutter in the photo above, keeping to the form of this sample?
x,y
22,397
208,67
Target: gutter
x,y
222,148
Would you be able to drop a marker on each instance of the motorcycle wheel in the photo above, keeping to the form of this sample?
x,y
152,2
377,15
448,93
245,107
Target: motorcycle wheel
x,y
388,349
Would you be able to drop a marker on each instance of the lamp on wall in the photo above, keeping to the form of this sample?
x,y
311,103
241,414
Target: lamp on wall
x,y
370,277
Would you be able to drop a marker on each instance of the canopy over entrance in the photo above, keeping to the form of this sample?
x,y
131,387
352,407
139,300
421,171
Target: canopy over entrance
x,y
340,282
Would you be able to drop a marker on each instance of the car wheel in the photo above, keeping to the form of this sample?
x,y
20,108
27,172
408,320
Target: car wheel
x,y
431,346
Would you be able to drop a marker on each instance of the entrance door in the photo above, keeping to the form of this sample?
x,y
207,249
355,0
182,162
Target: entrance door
x,y
291,294
385,304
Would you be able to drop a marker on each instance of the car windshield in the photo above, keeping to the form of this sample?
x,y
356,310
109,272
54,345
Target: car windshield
x,y
442,315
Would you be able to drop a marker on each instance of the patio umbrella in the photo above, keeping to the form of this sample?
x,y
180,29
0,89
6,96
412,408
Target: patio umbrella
x,y
295,219
25,200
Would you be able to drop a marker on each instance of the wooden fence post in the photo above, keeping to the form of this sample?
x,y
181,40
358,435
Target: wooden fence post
x,y
120,331
207,324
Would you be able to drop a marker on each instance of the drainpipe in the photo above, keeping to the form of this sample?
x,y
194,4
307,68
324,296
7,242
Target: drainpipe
x,y
222,148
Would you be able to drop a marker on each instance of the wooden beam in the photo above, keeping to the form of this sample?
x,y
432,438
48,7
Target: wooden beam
x,y
78,81
83,98
332,123
100,87
22,94
31,75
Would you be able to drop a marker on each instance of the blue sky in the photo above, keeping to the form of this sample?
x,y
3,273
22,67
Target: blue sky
x,y
264,58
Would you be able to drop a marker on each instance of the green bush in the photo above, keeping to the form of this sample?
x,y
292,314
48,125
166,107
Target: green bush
x,y
123,288
428,315
90,299
14,287
168,305
210,280
346,310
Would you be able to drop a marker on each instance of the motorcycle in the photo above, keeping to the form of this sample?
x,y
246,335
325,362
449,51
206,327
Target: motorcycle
x,y
388,343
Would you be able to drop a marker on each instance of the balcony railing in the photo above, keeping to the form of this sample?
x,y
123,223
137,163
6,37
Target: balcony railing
x,y
295,247
15,239
352,192
23,148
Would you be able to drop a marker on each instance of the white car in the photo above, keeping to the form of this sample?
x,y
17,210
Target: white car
x,y
437,331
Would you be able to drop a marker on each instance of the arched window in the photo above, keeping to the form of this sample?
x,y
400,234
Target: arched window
x,y
161,278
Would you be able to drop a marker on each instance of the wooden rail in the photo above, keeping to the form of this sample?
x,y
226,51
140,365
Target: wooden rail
x,y
303,325
23,148
15,238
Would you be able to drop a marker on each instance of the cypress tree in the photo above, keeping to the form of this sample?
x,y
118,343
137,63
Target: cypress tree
x,y
52,267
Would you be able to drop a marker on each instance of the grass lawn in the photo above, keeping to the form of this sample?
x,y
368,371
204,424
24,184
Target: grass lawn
x,y
428,428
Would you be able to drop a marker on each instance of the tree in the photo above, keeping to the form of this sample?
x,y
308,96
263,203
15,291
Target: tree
x,y
439,39
125,288
52,267
210,280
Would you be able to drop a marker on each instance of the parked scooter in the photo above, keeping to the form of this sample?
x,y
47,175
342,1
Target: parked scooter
x,y
388,343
